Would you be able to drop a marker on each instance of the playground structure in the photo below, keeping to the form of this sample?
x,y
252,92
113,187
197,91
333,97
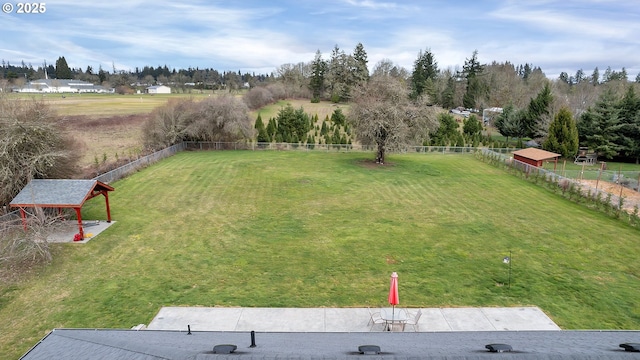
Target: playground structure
x,y
585,157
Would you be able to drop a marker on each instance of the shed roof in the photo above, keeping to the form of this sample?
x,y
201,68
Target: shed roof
x,y
158,344
536,154
57,193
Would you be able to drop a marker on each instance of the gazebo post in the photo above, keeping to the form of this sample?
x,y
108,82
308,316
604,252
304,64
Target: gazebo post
x,y
23,216
80,229
106,199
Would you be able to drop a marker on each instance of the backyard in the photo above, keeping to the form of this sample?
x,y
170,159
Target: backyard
x,y
325,229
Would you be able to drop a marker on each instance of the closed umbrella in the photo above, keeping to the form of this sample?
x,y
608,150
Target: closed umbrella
x,y
394,299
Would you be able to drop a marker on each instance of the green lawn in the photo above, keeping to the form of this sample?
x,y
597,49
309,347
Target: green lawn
x,y
308,229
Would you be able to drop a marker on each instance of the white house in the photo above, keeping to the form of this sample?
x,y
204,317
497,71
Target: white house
x,y
61,86
159,89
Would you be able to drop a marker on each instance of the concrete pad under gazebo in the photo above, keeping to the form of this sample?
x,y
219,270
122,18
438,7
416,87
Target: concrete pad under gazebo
x,y
61,193
536,157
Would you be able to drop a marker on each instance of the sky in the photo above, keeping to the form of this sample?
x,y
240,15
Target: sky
x,y
260,36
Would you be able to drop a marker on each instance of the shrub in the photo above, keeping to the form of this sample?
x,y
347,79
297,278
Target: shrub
x,y
257,98
20,248
223,118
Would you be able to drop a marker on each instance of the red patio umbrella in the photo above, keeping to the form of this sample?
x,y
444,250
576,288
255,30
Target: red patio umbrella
x,y
394,299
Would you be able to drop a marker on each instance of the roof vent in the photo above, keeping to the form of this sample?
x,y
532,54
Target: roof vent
x,y
224,349
499,347
635,347
369,349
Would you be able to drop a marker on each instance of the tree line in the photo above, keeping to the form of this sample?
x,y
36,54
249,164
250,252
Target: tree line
x,y
530,101
127,80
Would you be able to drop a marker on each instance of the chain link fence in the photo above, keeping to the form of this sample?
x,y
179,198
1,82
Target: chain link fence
x,y
127,169
192,145
618,186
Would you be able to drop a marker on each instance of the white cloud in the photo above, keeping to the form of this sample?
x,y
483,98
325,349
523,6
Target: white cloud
x,y
375,5
253,34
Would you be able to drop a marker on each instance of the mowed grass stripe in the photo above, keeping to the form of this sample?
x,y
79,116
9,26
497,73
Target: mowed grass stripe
x,y
306,229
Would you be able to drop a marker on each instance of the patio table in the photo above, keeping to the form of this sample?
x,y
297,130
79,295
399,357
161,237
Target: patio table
x,y
393,317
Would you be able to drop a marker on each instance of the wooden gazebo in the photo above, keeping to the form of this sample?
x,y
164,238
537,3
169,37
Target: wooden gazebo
x,y
61,193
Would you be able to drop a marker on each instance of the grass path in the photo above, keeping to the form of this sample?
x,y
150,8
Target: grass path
x,y
300,229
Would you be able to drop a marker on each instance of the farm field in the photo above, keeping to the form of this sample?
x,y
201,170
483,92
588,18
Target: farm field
x,y
109,126
105,105
325,229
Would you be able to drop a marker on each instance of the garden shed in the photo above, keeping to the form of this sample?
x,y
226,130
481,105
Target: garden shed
x,y
535,157
59,194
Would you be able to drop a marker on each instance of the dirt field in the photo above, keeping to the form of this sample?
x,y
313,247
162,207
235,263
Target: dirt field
x,y
106,125
104,137
631,196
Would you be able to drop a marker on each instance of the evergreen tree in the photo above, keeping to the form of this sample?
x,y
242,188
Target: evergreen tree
x,y
630,125
472,70
425,71
471,126
447,132
62,69
338,75
599,126
317,81
563,135
595,77
360,70
526,71
338,118
102,75
335,139
579,76
449,93
324,130
271,129
293,124
511,123
261,130
538,112
564,77
606,77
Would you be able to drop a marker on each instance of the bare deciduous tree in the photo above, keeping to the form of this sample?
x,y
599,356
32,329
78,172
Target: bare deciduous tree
x,y
166,125
384,115
221,118
25,245
32,145
258,97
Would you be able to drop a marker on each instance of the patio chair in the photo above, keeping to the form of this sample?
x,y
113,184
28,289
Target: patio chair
x,y
375,319
413,321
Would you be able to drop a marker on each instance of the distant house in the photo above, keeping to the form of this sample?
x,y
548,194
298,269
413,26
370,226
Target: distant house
x,y
159,89
61,86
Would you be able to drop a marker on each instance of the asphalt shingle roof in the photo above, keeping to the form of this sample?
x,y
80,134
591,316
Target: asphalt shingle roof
x,y
55,193
536,154
152,344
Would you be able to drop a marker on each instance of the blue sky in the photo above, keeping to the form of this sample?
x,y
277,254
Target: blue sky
x,y
259,36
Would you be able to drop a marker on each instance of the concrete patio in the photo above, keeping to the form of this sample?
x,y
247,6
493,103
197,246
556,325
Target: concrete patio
x,y
346,319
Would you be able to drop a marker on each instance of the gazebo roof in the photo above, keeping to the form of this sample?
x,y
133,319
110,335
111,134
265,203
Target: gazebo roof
x,y
58,193
536,154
